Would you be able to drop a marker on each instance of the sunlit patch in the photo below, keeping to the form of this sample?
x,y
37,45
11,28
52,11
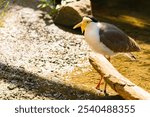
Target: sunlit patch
x,y
86,78
134,21
130,20
1,23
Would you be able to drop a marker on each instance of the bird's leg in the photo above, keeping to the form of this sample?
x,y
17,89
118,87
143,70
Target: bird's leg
x,y
105,91
105,87
98,85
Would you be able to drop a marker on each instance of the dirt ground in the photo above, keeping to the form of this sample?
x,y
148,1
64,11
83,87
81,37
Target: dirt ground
x,y
39,60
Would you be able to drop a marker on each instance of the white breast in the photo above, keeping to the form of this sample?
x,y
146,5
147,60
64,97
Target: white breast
x,y
92,37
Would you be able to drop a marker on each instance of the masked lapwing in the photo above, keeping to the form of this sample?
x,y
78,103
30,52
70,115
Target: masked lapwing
x,y
106,39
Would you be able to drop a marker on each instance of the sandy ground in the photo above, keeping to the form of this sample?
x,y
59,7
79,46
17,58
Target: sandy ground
x,y
40,60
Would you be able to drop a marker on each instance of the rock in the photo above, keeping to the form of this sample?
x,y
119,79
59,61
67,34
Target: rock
x,y
72,13
12,86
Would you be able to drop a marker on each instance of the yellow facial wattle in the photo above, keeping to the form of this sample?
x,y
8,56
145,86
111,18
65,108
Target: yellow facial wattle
x,y
82,25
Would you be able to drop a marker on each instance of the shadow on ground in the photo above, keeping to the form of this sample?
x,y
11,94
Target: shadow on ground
x,y
127,15
40,86
27,3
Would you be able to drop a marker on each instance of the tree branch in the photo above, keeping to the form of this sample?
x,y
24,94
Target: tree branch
x,y
117,81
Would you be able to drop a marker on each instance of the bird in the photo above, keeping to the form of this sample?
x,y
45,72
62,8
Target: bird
x,y
106,39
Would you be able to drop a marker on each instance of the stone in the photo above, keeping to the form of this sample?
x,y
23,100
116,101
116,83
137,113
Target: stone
x,y
72,13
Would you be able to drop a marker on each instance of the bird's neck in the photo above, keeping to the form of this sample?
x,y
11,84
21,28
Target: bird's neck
x,y
92,27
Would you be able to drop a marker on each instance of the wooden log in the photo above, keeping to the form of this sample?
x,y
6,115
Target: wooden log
x,y
117,81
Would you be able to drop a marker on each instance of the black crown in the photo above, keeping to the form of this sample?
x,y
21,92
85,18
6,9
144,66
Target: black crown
x,y
92,18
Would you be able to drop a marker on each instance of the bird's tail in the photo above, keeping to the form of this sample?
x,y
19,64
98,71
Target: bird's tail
x,y
131,56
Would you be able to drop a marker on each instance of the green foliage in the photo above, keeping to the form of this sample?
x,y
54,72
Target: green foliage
x,y
48,4
3,7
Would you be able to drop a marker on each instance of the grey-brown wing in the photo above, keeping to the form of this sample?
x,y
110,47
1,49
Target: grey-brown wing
x,y
116,39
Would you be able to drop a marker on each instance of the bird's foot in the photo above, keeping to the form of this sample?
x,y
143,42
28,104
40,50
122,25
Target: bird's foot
x,y
105,92
100,92
97,87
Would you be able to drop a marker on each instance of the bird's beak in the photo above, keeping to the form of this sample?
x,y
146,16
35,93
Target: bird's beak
x,y
80,25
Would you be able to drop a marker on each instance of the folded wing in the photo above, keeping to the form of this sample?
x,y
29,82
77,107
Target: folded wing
x,y
116,40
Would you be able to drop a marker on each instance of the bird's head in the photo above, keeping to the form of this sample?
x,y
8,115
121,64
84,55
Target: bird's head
x,y
85,21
